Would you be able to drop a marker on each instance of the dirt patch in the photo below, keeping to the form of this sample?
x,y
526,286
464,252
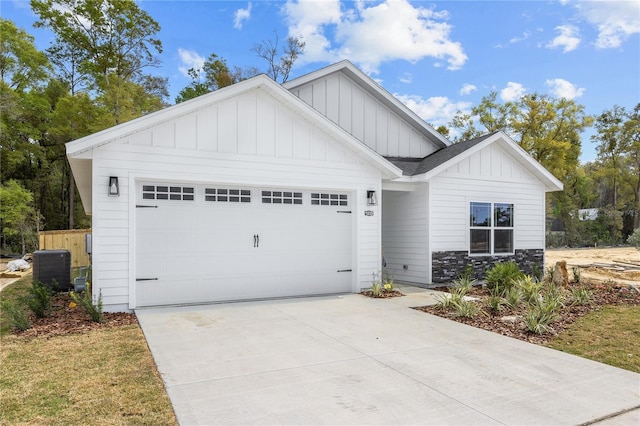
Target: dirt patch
x,y
383,295
617,264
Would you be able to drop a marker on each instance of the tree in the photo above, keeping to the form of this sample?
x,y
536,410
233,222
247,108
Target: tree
x,y
279,67
17,215
22,66
618,161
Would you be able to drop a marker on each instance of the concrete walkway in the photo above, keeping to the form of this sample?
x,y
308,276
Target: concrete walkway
x,y
354,360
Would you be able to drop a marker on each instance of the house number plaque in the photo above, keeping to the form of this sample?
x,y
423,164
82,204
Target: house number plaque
x,y
368,212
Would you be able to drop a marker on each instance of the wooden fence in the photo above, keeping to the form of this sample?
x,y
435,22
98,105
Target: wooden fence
x,y
71,239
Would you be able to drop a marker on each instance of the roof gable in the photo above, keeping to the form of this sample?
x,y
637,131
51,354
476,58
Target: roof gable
x,y
434,164
377,92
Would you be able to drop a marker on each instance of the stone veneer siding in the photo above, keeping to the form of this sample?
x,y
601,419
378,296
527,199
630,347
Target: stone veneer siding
x,y
449,265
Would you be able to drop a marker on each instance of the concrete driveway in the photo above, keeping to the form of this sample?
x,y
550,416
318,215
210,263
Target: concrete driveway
x,y
354,360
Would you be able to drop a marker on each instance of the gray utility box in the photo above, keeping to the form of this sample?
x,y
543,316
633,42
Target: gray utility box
x,y
50,265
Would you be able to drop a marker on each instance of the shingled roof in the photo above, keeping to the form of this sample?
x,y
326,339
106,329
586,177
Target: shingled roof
x,y
418,166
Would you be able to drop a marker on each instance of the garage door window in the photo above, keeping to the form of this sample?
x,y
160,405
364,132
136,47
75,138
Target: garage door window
x,y
227,195
166,192
281,197
322,199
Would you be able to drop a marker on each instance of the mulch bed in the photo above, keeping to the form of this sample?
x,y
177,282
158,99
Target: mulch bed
x,y
602,295
67,320
384,295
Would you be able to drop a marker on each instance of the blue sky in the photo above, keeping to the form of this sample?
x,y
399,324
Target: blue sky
x,y
437,57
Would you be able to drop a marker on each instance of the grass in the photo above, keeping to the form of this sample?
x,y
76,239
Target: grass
x,y
100,377
610,336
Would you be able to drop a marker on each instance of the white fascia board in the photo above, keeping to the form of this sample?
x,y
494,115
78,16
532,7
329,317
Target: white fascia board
x,y
375,89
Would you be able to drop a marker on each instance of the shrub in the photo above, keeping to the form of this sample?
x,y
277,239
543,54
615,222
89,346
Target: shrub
x,y
464,283
39,299
634,239
16,314
91,307
495,302
580,296
502,275
452,299
576,274
513,297
467,308
376,289
529,288
537,319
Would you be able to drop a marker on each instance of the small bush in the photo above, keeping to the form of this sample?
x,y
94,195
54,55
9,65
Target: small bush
x,y
388,284
452,299
39,299
502,275
465,283
467,308
513,297
495,302
16,314
538,320
580,296
91,307
634,239
529,288
576,274
376,289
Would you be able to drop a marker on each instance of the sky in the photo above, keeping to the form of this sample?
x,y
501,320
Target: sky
x,y
438,57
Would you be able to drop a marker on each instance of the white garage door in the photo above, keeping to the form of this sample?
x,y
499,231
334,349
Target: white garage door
x,y
204,243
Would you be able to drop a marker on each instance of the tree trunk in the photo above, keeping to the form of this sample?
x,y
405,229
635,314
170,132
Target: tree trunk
x,y
636,211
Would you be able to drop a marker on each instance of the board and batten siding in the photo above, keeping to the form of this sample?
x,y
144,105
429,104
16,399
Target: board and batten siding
x,y
405,237
251,140
490,175
347,104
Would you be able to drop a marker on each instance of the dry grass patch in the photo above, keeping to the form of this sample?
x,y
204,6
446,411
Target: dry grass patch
x,y
610,335
100,377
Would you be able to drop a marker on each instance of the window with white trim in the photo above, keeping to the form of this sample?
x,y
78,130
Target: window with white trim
x,y
281,197
168,192
227,195
491,228
323,199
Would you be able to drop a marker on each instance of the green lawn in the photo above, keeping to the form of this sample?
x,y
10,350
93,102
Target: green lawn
x,y
610,335
100,377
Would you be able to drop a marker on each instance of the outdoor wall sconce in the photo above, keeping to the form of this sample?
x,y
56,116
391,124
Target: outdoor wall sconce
x,y
114,188
372,200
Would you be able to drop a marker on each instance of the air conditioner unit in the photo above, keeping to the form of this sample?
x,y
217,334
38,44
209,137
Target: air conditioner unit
x,y
50,265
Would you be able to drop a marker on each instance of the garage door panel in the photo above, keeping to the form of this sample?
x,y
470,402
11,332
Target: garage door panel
x,y
206,251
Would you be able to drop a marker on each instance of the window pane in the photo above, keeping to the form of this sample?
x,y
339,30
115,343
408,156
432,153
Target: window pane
x,y
480,214
480,241
503,241
503,215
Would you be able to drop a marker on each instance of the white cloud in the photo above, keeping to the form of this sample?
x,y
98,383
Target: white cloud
x,y
562,88
437,110
189,59
369,34
241,16
568,39
468,88
525,35
615,20
406,78
512,92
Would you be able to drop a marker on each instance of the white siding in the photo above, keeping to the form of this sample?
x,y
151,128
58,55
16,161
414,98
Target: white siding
x,y
351,107
405,234
490,175
251,140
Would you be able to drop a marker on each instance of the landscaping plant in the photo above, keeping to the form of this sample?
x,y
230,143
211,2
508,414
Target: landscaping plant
x,y
503,275
91,307
39,299
15,313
